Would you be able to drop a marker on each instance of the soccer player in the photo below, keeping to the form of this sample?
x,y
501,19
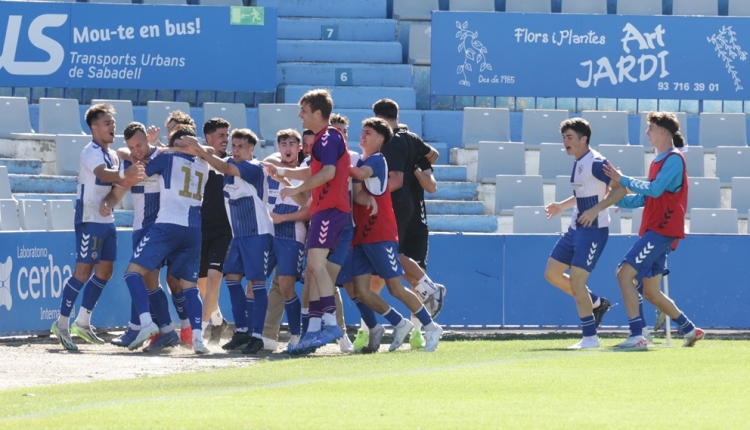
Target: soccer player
x,y
250,252
376,242
175,236
582,245
96,236
664,198
216,231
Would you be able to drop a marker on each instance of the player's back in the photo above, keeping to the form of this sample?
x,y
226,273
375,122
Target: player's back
x,y
91,191
181,182
145,197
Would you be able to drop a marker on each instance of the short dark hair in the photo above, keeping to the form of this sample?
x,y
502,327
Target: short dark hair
x,y
385,108
132,128
180,131
337,118
92,114
669,122
318,100
245,133
579,125
289,132
380,126
308,132
180,117
214,124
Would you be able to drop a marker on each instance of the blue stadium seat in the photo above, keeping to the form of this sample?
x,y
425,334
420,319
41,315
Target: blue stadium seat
x,y
741,195
517,190
542,125
485,124
554,161
111,1
628,158
356,29
739,8
584,6
414,10
538,6
681,117
500,158
704,193
639,7
472,5
695,7
14,115
59,116
607,127
695,161
714,221
165,2
333,8
235,113
533,219
732,161
420,38
722,129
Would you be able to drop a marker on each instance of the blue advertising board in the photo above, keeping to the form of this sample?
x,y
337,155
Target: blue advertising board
x,y
569,55
79,45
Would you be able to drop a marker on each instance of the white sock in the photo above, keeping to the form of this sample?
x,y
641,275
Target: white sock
x,y
145,319
362,325
416,322
63,321
167,329
242,330
330,318
197,336
426,286
314,324
204,324
217,318
257,336
184,323
431,326
84,318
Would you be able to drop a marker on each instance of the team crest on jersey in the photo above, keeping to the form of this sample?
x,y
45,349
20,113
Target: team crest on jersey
x,y
580,169
94,255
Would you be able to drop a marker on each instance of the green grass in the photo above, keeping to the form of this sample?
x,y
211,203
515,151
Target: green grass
x,y
465,384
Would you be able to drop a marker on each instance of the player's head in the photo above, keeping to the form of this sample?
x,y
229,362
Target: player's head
x,y
341,123
308,140
243,144
136,139
576,133
403,127
176,118
289,143
179,132
664,125
375,133
315,109
216,131
101,121
386,109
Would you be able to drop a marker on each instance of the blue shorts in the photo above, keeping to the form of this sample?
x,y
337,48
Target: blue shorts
x,y
345,274
649,255
251,256
288,256
380,258
179,245
581,247
339,254
95,242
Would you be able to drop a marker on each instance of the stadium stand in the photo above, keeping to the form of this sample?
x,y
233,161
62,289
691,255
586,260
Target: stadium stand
x,y
221,3
695,7
714,221
741,195
738,8
584,6
694,157
60,215
639,7
535,6
59,116
542,125
500,158
419,44
635,220
5,192
9,215
275,117
165,2
730,162
704,193
563,188
472,5
68,152
485,124
14,115
123,112
159,111
722,129
31,215
615,220
627,158
533,219
554,161
607,127
414,10
681,117
235,113
517,190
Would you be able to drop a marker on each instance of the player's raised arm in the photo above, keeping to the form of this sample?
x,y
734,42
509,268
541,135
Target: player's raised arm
x,y
217,163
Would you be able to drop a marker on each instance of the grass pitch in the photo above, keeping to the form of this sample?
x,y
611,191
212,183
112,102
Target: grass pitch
x,y
532,383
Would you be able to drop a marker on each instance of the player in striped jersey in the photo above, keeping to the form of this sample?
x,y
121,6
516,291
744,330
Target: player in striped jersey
x,y
175,236
96,236
582,245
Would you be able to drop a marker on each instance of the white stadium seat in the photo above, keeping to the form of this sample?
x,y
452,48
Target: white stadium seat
x,y
31,215
14,115
488,124
500,158
59,116
9,216
60,214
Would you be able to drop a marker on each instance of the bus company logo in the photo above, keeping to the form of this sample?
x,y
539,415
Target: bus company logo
x,y
37,38
6,299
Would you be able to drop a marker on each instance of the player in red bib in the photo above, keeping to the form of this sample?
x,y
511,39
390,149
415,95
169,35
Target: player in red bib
x,y
664,196
375,244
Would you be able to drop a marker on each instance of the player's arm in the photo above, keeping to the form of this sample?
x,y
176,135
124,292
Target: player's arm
x,y
433,155
112,199
131,175
360,173
303,214
221,166
615,194
424,175
670,175
301,173
361,197
556,208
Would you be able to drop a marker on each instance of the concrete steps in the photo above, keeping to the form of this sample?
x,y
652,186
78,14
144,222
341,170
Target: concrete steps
x,y
357,74
22,166
463,223
454,207
353,97
325,51
365,30
454,191
42,184
443,172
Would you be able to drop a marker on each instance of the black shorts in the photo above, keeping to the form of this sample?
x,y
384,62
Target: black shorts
x,y
213,252
416,245
403,215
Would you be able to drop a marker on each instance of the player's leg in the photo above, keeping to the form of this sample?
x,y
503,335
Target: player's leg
x,y
258,261
134,279
159,305
274,314
216,255
234,270
416,247
290,255
371,300
180,305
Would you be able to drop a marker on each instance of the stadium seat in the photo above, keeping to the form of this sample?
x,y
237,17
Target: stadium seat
x,y
635,220
533,219
68,152
31,215
615,221
538,6
722,129
14,115
717,221
695,7
739,8
639,7
472,5
157,112
584,6
628,158
59,116
732,161
517,190
500,158
608,127
221,3
414,10
554,161
111,1
60,214
235,113
542,125
681,117
123,112
741,194
275,117
420,38
9,216
563,188
704,193
488,124
165,2
5,192
695,163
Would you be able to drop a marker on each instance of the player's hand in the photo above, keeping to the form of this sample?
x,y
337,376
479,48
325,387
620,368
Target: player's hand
x,y
611,172
553,209
133,174
372,204
104,209
277,218
587,218
153,133
271,170
289,192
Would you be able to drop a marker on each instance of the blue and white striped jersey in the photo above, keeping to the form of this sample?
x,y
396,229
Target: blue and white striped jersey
x,y
181,181
589,187
246,199
293,230
91,191
145,197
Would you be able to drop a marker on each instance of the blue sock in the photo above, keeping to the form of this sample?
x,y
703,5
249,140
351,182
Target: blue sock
x,y
368,315
594,297
588,325
194,306
134,319
293,308
259,307
91,292
178,300
686,326
249,306
305,321
636,328
239,306
138,292
159,304
70,294
639,287
423,316
393,317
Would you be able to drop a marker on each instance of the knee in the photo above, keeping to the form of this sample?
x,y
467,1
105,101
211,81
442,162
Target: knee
x,y
650,294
